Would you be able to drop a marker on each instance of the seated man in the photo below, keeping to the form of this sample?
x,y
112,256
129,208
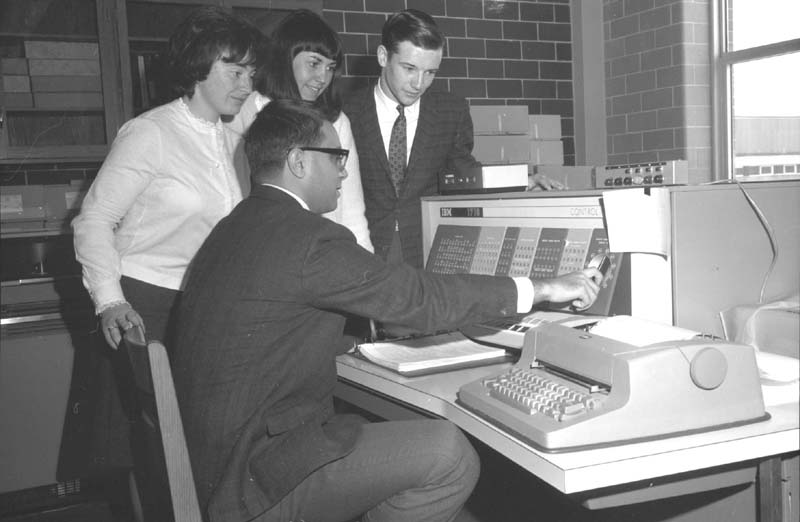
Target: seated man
x,y
257,335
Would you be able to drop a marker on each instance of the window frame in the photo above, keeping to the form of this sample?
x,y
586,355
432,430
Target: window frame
x,y
723,61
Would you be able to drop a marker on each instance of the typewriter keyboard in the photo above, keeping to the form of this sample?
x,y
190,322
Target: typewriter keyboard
x,y
533,392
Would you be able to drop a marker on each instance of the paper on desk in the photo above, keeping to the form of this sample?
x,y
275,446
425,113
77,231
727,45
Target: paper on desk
x,y
640,332
428,352
637,220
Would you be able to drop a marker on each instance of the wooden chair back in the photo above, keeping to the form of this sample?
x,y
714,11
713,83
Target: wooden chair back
x,y
161,457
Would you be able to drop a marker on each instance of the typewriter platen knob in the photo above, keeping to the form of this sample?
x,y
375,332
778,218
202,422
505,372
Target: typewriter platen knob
x,y
708,368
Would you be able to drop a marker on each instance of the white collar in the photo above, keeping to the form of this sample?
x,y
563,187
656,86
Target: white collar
x,y
389,106
295,196
198,119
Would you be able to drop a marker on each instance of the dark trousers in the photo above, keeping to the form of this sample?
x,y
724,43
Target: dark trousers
x,y
156,305
110,446
404,471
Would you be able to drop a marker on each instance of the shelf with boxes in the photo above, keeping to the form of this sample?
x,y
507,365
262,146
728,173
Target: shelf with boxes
x,y
51,74
508,134
54,75
53,98
73,71
509,143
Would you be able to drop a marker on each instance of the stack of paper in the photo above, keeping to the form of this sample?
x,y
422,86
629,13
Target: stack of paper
x,y
420,355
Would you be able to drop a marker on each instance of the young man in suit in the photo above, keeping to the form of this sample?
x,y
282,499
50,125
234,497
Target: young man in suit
x,y
259,327
406,135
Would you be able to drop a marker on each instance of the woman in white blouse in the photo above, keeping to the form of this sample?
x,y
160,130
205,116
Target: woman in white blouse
x,y
304,55
168,179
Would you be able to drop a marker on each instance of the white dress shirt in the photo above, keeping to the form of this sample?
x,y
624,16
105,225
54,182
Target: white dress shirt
x,y
387,114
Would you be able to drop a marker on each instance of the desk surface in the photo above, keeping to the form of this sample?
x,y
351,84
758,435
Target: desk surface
x,y
578,471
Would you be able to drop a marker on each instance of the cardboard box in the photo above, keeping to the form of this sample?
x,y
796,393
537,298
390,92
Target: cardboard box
x,y
66,83
47,67
546,152
572,178
60,100
65,50
545,126
499,119
14,66
15,83
501,149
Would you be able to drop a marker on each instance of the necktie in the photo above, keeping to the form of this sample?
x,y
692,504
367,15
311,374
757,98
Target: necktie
x,y
397,150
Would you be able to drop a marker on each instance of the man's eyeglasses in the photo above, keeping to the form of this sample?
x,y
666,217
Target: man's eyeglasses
x,y
341,154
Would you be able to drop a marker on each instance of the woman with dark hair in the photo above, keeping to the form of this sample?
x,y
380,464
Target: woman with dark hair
x,y
167,179
304,55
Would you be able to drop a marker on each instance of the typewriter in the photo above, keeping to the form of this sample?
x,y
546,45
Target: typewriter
x,y
604,381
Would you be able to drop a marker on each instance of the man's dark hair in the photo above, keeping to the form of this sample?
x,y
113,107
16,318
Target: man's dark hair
x,y
413,26
206,35
281,126
302,30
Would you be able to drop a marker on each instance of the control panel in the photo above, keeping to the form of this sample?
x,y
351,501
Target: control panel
x,y
673,172
534,252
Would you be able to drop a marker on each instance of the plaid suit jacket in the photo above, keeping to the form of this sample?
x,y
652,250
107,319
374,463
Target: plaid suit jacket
x,y
258,329
443,143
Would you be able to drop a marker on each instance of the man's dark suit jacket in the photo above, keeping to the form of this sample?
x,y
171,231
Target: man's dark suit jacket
x,y
442,143
258,330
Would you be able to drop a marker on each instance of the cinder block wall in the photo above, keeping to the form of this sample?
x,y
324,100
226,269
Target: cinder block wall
x,y
658,82
496,52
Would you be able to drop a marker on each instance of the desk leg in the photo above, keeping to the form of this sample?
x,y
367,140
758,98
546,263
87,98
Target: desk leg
x,y
770,490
